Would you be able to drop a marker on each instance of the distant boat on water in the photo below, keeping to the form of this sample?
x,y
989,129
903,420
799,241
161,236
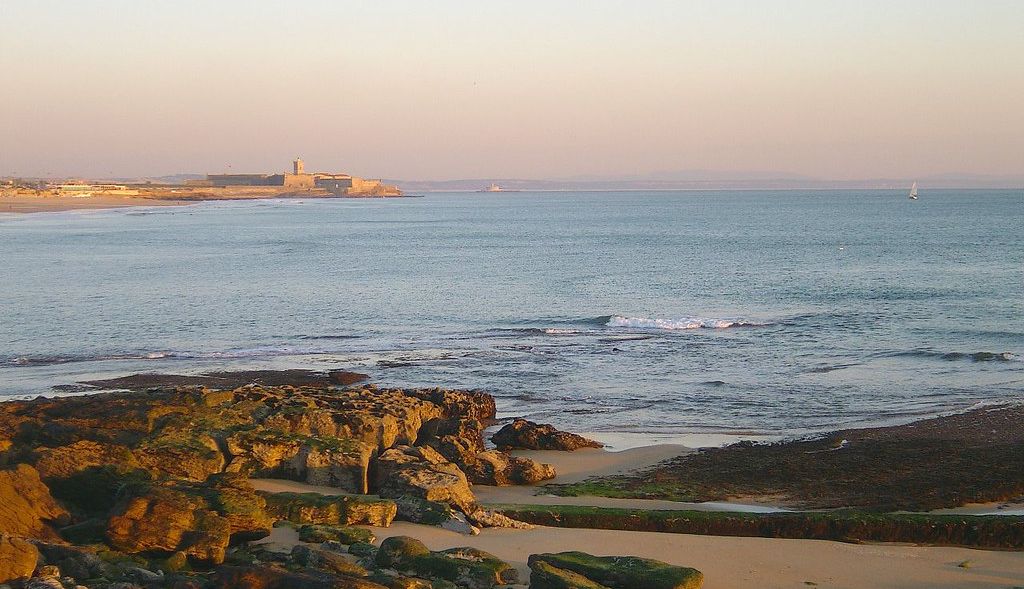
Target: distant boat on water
x,y
913,191
495,188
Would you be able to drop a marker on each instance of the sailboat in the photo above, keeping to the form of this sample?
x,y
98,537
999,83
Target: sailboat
x,y
913,191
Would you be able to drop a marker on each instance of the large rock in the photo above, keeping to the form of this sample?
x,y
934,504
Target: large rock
x,y
345,510
64,461
26,506
527,435
326,461
17,558
501,469
234,498
614,572
453,403
190,457
167,520
422,473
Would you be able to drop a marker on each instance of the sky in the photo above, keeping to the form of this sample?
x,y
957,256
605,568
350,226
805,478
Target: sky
x,y
520,89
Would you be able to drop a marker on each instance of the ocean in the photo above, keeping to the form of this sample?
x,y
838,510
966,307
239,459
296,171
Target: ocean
x,y
718,313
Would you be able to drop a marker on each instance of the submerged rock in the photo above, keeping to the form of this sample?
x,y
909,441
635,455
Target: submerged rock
x,y
527,435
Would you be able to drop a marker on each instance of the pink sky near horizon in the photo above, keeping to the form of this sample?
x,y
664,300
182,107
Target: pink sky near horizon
x,y
463,89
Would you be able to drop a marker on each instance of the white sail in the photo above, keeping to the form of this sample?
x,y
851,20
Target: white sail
x,y
913,191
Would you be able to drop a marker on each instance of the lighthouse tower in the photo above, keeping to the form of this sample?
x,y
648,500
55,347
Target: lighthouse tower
x,y
298,167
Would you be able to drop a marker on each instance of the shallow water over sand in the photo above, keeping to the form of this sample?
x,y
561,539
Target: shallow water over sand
x,y
738,313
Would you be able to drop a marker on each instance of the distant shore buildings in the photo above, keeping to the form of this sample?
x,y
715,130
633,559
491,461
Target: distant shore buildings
x,y
298,179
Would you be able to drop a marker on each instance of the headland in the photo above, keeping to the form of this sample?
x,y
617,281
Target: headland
x,y
32,196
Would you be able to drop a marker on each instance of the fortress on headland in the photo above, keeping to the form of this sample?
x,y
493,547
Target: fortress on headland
x,y
298,180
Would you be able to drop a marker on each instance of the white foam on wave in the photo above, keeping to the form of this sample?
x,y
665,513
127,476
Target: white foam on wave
x,y
560,331
677,324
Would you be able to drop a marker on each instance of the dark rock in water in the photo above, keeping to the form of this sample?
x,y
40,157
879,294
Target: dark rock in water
x,y
314,508
613,572
346,378
26,506
527,435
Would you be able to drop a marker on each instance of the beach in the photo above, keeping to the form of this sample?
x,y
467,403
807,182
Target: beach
x,y
727,562
42,204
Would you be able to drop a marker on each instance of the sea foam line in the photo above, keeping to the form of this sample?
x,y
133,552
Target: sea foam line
x,y
678,324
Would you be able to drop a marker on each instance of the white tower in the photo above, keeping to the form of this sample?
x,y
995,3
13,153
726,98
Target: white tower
x,y
298,167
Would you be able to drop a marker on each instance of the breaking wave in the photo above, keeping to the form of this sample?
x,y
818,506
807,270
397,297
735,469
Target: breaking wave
x,y
679,323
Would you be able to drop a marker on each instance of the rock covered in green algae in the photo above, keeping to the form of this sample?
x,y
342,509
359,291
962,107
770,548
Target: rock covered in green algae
x,y
614,572
545,576
465,567
270,577
342,534
327,561
314,508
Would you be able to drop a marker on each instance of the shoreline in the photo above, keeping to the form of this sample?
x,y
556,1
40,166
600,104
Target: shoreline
x,y
23,204
55,204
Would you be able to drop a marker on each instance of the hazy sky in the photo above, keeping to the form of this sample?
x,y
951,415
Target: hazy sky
x,y
487,89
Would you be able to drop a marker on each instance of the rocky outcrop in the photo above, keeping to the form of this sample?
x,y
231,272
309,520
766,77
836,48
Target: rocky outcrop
x,y
167,520
65,461
501,469
18,558
527,435
578,570
344,510
26,506
466,404
422,473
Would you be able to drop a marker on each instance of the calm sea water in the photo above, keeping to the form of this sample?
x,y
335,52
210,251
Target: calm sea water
x,y
744,312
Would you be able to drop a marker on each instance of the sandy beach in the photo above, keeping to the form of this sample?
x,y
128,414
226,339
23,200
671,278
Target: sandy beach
x,y
43,204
